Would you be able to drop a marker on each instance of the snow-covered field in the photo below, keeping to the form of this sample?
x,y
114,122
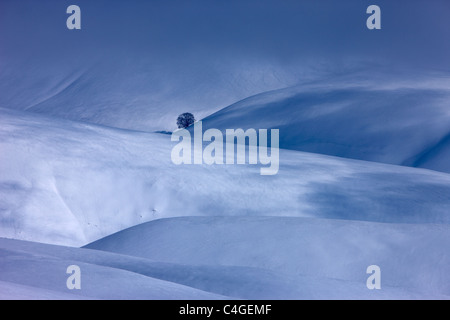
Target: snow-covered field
x,y
86,176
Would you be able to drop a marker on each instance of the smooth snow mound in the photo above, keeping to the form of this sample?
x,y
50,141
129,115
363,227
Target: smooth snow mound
x,y
326,258
396,123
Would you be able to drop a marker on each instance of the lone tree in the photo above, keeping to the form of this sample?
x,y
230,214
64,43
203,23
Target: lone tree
x,y
185,120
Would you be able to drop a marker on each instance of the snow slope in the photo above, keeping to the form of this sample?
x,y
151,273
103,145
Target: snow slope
x,y
119,70
231,257
324,258
131,92
37,271
70,183
390,121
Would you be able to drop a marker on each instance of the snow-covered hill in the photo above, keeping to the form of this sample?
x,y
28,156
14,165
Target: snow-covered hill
x,y
399,123
71,183
323,258
230,257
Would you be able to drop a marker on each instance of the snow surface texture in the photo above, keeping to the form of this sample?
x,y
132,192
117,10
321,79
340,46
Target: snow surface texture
x,y
86,182
364,171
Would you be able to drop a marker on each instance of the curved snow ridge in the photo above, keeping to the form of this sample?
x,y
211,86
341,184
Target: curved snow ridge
x,y
375,123
412,258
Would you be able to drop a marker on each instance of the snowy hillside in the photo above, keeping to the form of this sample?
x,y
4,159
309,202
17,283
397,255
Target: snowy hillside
x,y
317,224
37,271
85,182
119,71
396,123
133,93
259,258
314,254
